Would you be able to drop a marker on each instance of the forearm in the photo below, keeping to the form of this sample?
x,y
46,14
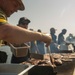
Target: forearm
x,y
15,34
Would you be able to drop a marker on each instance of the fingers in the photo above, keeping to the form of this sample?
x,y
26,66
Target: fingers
x,y
46,39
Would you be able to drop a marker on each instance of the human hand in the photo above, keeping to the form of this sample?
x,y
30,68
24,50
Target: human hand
x,y
46,39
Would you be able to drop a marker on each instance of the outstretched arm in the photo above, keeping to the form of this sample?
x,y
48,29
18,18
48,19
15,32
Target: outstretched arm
x,y
15,34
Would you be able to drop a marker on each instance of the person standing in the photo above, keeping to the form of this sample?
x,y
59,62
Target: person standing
x,y
61,38
52,33
40,45
12,34
23,22
53,45
70,38
15,34
62,41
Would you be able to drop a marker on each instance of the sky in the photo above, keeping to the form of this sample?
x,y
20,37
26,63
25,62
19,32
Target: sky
x,y
45,14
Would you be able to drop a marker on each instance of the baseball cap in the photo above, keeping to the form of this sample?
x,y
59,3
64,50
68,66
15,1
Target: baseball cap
x,y
23,20
22,7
